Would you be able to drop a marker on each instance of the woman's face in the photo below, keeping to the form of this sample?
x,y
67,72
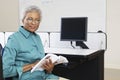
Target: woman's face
x,y
31,21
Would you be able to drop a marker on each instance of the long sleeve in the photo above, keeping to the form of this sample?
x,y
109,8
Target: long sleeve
x,y
10,68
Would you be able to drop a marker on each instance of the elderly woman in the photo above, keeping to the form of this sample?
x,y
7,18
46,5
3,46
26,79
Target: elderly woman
x,y
24,49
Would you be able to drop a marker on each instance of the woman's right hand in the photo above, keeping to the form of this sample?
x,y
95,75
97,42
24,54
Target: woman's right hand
x,y
28,67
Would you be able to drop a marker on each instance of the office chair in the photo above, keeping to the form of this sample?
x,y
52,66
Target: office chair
x,y
1,70
1,50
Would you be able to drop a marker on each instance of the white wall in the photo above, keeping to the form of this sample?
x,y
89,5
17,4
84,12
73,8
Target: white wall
x,y
112,55
9,15
53,10
9,22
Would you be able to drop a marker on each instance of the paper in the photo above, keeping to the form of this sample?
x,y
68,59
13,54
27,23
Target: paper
x,y
54,58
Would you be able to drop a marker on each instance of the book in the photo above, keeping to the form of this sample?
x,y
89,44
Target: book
x,y
54,58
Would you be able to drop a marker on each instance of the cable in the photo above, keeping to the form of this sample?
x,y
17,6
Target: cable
x,y
49,39
4,38
72,44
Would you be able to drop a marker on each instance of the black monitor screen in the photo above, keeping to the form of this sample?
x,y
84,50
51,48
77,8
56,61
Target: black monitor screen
x,y
74,29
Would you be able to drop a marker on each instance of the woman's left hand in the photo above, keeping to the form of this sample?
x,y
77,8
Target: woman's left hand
x,y
48,65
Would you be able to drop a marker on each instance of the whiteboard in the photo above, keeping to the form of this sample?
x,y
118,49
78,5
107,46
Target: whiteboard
x,y
54,10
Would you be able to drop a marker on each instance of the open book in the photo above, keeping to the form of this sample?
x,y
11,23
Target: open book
x,y
54,58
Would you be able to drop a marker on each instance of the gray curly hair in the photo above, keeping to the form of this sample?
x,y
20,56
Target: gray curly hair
x,y
32,9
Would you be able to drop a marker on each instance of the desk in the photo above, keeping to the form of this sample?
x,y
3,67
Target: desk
x,y
82,67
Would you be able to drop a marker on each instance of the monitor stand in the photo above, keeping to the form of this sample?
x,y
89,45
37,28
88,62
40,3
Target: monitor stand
x,y
81,44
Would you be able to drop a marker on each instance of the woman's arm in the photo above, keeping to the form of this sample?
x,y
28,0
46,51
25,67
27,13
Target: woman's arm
x,y
10,69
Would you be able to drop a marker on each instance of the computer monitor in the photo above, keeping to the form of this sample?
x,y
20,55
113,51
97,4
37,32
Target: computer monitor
x,y
74,29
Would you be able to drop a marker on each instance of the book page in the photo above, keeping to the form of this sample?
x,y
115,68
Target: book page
x,y
54,58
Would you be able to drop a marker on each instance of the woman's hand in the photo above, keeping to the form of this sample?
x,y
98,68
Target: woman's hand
x,y
28,67
48,65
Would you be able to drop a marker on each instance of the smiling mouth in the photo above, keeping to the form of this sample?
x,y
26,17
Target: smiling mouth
x,y
32,27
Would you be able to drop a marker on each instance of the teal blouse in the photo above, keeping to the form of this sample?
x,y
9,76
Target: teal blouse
x,y
23,47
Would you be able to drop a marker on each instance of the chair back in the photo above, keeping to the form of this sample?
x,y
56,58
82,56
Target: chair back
x,y
1,69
